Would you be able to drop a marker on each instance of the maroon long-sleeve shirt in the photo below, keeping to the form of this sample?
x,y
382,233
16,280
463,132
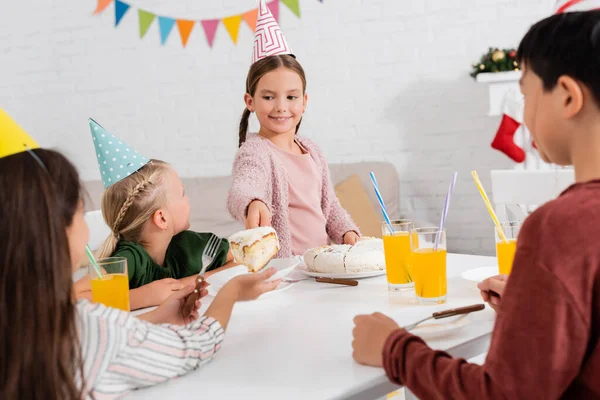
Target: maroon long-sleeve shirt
x,y
545,343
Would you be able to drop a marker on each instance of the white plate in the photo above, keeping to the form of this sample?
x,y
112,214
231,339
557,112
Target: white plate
x,y
356,275
222,277
213,290
440,327
283,265
480,274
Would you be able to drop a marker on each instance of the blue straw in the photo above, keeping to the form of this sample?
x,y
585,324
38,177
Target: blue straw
x,y
381,203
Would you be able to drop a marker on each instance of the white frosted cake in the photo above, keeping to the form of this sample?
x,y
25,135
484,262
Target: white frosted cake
x,y
254,248
365,256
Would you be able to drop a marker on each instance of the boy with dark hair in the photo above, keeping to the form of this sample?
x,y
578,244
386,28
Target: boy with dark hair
x,y
545,343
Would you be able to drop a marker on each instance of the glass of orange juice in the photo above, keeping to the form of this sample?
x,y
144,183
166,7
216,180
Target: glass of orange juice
x,y
112,288
428,264
505,251
396,246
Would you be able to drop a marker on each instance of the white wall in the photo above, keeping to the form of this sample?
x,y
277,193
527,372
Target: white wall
x,y
387,80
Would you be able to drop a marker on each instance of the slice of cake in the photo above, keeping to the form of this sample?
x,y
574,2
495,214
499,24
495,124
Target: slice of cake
x,y
254,248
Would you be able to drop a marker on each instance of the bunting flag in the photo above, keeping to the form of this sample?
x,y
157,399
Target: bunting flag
x,y
293,5
210,29
233,26
250,18
102,4
165,24
185,26
121,9
146,19
185,29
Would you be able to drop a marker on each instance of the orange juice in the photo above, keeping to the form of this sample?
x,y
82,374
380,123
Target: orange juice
x,y
397,254
112,291
506,254
429,274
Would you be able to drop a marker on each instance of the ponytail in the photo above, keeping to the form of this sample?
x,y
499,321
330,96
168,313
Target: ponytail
x,y
244,126
298,126
108,247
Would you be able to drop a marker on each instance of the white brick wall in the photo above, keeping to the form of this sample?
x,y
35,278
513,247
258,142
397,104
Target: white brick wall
x,y
386,79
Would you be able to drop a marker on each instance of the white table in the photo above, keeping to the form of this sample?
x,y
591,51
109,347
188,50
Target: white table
x,y
297,344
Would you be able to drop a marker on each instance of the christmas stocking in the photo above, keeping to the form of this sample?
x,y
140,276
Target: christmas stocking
x,y
511,121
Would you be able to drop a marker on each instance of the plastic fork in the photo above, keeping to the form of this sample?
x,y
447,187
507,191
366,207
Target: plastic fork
x,y
208,255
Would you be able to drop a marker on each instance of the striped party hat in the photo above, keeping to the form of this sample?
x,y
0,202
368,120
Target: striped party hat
x,y
116,159
268,39
563,6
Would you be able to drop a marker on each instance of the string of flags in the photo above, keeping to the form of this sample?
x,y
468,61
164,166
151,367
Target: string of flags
x,y
185,26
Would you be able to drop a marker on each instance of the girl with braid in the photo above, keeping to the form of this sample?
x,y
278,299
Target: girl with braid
x,y
148,212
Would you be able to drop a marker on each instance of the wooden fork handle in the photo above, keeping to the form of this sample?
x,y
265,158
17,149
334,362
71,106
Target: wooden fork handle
x,y
188,306
458,311
338,281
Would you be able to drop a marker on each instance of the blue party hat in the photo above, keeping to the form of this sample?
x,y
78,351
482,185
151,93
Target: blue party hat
x,y
116,159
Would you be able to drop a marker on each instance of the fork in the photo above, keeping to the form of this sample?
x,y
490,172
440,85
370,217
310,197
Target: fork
x,y
208,255
446,314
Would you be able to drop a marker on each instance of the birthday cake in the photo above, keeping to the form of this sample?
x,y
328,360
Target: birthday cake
x,y
254,248
365,256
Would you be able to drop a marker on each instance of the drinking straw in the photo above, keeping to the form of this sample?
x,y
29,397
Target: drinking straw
x,y
381,203
488,204
93,260
445,210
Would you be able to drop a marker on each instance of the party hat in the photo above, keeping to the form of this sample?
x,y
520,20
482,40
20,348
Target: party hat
x,y
268,39
116,159
563,6
13,139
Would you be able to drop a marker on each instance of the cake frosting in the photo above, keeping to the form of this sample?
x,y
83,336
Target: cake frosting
x,y
365,256
254,248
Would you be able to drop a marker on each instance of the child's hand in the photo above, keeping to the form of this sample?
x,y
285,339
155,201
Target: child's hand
x,y
251,286
492,290
350,238
159,291
258,215
169,311
83,288
370,333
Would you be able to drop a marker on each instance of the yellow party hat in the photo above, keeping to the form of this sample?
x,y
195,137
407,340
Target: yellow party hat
x,y
13,139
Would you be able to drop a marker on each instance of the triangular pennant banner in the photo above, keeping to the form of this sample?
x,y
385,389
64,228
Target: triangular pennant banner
x,y
166,26
250,18
232,24
102,4
293,5
210,29
274,7
120,10
185,28
146,19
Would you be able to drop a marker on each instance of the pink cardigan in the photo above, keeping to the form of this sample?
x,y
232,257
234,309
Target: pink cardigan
x,y
258,174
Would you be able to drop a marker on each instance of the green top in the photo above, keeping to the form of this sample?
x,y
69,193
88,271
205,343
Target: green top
x,y
183,258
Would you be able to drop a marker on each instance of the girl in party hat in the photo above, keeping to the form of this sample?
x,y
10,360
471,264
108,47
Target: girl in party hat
x,y
148,212
54,347
279,178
